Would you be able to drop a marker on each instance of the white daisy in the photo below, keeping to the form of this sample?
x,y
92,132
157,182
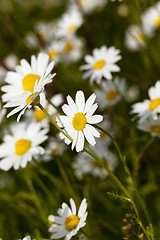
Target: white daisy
x,y
151,20
150,125
69,23
111,92
54,50
149,107
27,238
134,39
26,75
88,6
101,64
84,164
37,115
77,122
23,144
45,31
25,100
54,147
72,49
68,222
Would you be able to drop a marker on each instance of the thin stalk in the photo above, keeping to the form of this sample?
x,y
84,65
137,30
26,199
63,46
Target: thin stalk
x,y
52,121
128,172
121,187
36,199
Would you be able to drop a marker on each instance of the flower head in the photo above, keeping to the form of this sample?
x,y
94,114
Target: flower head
x,y
25,100
111,92
101,64
69,23
151,20
26,75
134,38
23,143
69,222
149,107
151,125
77,122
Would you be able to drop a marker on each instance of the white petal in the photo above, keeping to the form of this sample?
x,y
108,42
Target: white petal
x,y
89,136
68,111
73,206
91,111
72,104
80,142
89,103
80,101
95,119
82,208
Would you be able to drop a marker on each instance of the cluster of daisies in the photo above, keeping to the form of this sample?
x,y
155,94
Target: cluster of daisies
x,y
148,111
150,22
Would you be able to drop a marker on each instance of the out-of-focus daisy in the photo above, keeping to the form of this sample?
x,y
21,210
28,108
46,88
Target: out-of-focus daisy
x,y
45,31
69,222
72,49
149,107
82,237
69,23
21,145
88,6
111,92
54,50
54,147
101,64
150,125
25,100
26,75
77,123
108,127
27,238
11,60
85,164
134,39
151,20
132,93
38,115
31,40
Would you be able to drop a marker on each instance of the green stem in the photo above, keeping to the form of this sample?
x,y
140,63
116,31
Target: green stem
x,y
122,188
36,199
52,121
128,172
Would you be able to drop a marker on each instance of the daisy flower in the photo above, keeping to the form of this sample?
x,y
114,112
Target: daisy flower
x,y
26,238
134,39
37,115
25,76
151,20
23,144
84,164
150,125
149,107
26,100
72,49
68,221
111,92
77,122
101,64
54,50
69,23
88,6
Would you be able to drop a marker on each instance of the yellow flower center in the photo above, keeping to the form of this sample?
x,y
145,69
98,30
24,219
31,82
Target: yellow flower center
x,y
71,222
52,54
55,150
157,22
32,98
154,104
79,121
39,115
29,81
155,129
100,64
68,47
111,95
22,146
72,28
